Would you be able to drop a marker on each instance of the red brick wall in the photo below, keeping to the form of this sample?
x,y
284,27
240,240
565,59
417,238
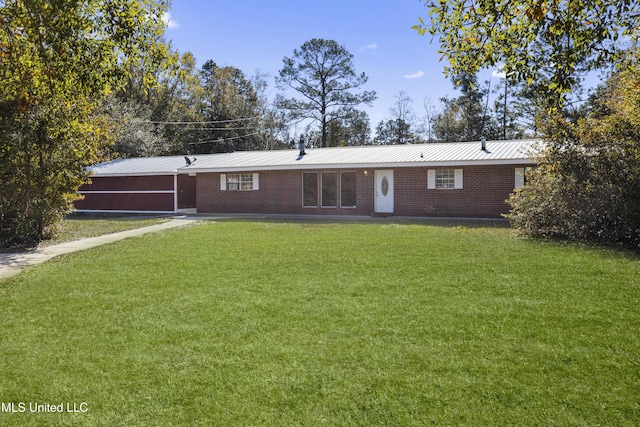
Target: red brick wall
x,y
279,192
485,189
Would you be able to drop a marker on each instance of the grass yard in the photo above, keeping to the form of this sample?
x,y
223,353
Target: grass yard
x,y
270,323
80,226
76,227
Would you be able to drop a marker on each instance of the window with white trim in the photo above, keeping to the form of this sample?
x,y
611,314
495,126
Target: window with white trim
x,y
522,176
329,189
310,189
239,181
519,177
444,179
348,193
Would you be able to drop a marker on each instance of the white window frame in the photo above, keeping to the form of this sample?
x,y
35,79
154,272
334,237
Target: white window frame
x,y
239,182
519,182
437,181
317,189
334,188
319,175
355,189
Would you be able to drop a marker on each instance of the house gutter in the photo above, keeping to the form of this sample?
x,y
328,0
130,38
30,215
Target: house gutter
x,y
315,166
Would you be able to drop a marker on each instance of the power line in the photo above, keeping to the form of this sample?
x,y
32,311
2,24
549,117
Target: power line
x,y
206,123
221,129
224,139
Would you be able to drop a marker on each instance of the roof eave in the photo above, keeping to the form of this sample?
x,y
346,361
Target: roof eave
x,y
527,161
126,174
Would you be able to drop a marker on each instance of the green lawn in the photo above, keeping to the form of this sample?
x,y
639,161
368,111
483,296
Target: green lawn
x,y
288,323
80,226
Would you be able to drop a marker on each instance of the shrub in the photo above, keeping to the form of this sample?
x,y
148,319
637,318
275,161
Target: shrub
x,y
587,185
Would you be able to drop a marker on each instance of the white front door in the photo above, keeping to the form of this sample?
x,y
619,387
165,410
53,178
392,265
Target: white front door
x,y
384,191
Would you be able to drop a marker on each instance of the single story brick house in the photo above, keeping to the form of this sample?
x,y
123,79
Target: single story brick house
x,y
471,179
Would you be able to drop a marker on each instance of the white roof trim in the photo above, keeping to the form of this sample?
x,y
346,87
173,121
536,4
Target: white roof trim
x,y
518,152
94,174
365,165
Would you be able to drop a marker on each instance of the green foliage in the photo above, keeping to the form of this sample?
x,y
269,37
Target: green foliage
x,y
230,100
322,72
586,186
552,39
465,118
508,122
59,59
150,119
394,131
401,128
133,133
350,128
189,111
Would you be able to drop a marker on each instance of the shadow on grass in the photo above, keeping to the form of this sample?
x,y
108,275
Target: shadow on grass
x,y
315,219
90,216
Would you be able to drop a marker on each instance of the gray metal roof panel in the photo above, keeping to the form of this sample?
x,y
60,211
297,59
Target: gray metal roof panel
x,y
521,151
140,166
497,152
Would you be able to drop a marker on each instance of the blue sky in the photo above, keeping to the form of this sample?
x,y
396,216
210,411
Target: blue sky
x,y
257,35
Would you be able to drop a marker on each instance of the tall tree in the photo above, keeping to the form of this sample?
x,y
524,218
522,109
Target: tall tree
x,y
466,117
552,39
133,133
59,59
231,108
322,72
427,120
351,128
393,131
151,120
400,128
505,115
271,124
178,100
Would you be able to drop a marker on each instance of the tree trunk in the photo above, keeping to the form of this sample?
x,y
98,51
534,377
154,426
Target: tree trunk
x,y
323,139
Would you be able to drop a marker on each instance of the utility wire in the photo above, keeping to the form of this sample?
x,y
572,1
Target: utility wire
x,y
224,139
220,129
206,123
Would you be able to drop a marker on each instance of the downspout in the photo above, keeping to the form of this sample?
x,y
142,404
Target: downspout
x,y
175,192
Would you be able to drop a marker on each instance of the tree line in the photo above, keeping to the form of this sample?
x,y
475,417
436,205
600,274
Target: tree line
x,y
213,108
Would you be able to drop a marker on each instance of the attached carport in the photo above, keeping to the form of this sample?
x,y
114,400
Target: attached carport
x,y
142,185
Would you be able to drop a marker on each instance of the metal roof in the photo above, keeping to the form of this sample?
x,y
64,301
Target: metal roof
x,y
437,154
138,166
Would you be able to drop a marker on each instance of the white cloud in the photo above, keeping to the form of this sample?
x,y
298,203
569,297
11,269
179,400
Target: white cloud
x,y
170,23
372,46
417,75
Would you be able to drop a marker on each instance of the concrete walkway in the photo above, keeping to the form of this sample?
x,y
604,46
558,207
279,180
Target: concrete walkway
x,y
12,263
